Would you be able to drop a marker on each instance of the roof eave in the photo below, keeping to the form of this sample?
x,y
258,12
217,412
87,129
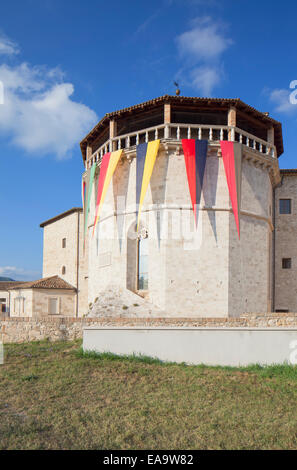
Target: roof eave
x,y
237,102
61,216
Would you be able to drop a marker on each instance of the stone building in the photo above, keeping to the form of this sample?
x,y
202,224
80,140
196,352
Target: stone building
x,y
47,296
168,266
4,295
285,263
64,254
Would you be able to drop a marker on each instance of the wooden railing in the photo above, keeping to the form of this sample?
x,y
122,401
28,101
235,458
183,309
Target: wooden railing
x,y
176,132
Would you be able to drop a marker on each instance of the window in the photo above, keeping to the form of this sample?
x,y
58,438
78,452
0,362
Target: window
x,y
285,206
19,305
286,263
64,243
2,305
282,311
53,306
63,270
143,263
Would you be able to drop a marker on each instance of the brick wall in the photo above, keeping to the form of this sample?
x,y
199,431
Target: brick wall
x,y
22,329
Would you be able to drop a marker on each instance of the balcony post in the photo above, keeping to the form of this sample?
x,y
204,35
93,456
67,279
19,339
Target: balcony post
x,y
167,113
113,133
231,123
167,119
88,155
270,135
270,140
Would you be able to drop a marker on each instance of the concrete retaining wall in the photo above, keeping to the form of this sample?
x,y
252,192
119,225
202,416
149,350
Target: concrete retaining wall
x,y
220,346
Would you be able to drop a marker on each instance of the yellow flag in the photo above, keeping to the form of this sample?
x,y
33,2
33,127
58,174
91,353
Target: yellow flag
x,y
150,158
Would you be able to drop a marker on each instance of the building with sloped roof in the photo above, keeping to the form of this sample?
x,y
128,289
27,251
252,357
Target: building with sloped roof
x,y
43,297
182,267
4,295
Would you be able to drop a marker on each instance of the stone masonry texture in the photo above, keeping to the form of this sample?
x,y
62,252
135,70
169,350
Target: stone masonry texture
x,y
23,329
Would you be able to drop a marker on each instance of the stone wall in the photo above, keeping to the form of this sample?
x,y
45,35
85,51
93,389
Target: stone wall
x,y
221,276
18,330
72,257
285,245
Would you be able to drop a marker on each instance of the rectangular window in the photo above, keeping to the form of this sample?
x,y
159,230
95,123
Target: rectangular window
x,y
286,263
282,311
64,243
19,305
2,305
285,206
53,306
143,264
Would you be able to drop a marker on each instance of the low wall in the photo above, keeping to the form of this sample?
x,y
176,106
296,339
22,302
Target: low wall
x,y
210,346
20,329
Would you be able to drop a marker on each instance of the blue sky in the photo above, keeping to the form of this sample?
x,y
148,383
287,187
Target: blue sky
x,y
64,64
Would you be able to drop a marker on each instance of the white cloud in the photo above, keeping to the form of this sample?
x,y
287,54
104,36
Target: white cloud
x,y
281,98
200,50
7,47
18,273
203,42
205,78
39,113
144,25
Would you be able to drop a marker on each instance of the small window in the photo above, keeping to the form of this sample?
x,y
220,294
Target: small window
x,y
282,311
143,264
63,270
64,243
2,305
286,263
285,206
19,305
53,306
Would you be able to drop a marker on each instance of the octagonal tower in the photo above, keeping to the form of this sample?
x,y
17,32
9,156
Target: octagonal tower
x,y
183,271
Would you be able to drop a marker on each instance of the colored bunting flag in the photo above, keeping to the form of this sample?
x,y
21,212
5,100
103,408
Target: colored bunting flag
x,y
88,192
232,153
85,185
145,160
83,194
195,153
107,169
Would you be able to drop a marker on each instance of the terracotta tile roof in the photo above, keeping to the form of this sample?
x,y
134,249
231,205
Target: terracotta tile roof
x,y
5,285
53,282
61,216
192,100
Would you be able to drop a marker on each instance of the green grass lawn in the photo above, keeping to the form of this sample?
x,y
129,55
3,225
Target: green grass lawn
x,y
54,397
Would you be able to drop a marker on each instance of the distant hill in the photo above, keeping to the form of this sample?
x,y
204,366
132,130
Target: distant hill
x,y
6,279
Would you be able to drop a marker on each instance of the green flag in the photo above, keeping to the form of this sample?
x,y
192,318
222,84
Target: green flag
x,y
90,180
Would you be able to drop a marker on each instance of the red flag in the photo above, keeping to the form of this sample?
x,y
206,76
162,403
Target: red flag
x,y
231,153
101,179
195,153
